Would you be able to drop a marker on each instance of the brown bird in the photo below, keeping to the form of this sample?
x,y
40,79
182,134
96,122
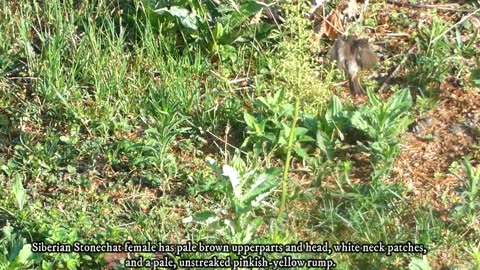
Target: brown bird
x,y
352,55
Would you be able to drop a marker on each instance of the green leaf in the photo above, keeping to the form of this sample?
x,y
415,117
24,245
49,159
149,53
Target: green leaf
x,y
264,183
325,144
228,52
249,120
262,103
419,264
187,18
252,228
475,77
260,127
279,96
359,122
373,99
65,139
190,22
71,169
218,31
235,180
175,11
270,137
301,152
206,217
246,10
7,231
335,106
24,256
19,192
306,138
262,31
300,131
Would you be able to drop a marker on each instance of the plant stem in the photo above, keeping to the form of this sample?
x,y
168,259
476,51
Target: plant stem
x,y
287,160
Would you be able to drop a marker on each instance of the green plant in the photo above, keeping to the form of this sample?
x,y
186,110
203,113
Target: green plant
x,y
269,128
294,60
246,192
432,63
15,253
215,28
475,78
330,127
58,233
473,251
19,192
154,149
383,122
291,140
471,192
465,49
419,264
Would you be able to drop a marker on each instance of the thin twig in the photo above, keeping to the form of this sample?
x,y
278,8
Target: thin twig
x,y
331,25
24,78
239,80
226,143
218,138
453,26
227,131
389,78
272,13
394,35
243,88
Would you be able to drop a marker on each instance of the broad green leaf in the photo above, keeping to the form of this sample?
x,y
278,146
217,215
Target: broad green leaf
x,y
260,127
264,183
246,10
334,107
175,11
373,99
252,228
7,231
249,120
300,131
235,180
24,256
279,96
206,217
301,152
218,31
475,77
19,192
419,264
190,22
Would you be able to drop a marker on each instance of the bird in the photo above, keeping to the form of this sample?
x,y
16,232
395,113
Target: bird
x,y
352,55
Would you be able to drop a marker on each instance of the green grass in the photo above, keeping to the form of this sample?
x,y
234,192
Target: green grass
x,y
119,123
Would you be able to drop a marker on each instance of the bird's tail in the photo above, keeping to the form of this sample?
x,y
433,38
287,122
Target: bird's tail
x,y
355,87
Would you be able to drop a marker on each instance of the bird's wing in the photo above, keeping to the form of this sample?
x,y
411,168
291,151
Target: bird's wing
x,y
335,52
364,55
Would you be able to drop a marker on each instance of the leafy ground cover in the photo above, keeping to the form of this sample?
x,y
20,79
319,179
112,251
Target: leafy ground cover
x,y
224,123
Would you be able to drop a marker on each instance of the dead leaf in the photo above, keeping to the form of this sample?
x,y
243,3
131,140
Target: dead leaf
x,y
332,25
475,21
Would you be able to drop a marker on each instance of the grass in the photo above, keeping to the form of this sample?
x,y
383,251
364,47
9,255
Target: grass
x,y
120,123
